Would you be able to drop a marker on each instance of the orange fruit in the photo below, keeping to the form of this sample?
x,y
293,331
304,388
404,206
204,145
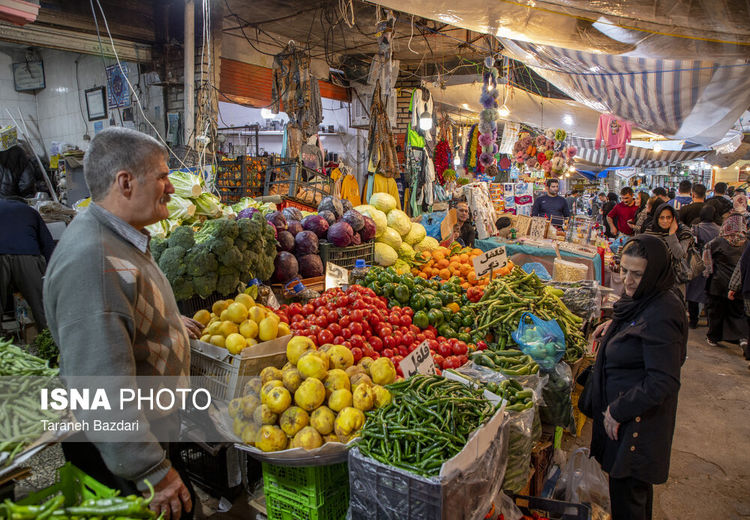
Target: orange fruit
x,y
422,274
445,274
472,277
438,255
476,252
442,264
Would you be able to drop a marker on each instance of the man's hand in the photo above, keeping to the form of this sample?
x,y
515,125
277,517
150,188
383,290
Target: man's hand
x,y
194,328
731,294
610,425
171,497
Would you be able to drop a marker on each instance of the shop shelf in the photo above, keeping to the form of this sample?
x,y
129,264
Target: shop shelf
x,y
208,465
308,485
74,484
346,256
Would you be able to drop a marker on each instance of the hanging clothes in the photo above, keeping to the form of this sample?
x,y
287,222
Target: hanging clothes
x,y
614,133
381,147
349,185
294,86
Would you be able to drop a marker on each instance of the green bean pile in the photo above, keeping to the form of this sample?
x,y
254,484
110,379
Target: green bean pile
x,y
20,413
428,421
507,362
506,298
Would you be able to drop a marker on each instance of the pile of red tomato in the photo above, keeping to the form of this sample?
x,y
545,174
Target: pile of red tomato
x,y
362,321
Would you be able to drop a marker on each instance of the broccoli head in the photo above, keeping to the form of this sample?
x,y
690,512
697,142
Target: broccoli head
x,y
232,258
181,236
218,235
205,285
200,260
157,246
182,288
227,283
264,267
172,262
250,229
240,244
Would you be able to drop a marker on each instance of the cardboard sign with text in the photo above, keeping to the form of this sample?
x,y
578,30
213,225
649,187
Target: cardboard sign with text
x,y
490,260
419,361
336,276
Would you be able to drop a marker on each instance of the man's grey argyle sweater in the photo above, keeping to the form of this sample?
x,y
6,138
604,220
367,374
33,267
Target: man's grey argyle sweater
x,y
112,313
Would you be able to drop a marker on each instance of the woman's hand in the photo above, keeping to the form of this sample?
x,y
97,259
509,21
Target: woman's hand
x,y
599,333
673,227
610,425
730,295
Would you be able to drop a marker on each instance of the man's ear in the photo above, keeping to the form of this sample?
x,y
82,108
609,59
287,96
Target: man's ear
x,y
124,181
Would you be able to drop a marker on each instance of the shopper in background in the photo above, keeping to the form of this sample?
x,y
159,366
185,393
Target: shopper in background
x,y
740,284
661,193
730,192
25,249
703,232
690,214
721,203
18,175
597,203
726,318
642,208
677,237
551,205
683,198
112,313
644,218
631,391
572,201
609,231
623,212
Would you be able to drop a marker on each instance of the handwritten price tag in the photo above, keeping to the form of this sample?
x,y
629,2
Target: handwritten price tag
x,y
490,260
419,361
336,276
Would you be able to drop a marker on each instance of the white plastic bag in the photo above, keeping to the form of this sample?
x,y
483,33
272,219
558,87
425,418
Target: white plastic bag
x,y
583,481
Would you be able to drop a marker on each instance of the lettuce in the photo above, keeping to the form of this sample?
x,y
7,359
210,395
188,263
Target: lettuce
x,y
186,184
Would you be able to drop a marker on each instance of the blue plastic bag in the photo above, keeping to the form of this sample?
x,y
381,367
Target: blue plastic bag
x,y
431,223
538,268
543,340
618,243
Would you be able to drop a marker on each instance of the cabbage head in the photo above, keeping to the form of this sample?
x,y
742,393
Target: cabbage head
x,y
416,234
392,238
399,221
385,255
383,201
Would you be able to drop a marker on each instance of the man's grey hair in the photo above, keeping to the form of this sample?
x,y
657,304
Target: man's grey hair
x,y
116,149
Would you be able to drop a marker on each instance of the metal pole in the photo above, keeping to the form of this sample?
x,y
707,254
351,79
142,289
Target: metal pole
x,y
189,68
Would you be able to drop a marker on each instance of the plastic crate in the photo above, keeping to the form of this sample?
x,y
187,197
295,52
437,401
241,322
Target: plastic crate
x,y
289,202
334,507
209,467
308,485
74,484
346,256
240,177
223,374
196,303
555,509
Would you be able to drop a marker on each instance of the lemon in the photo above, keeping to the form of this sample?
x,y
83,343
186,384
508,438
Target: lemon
x,y
256,314
228,327
235,343
218,307
244,299
249,329
213,328
224,316
202,317
237,312
268,329
217,340
273,316
251,342
297,346
206,338
284,330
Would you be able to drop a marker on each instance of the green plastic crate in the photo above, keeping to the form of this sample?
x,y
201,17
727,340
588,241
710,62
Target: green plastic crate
x,y
75,485
307,485
346,256
334,507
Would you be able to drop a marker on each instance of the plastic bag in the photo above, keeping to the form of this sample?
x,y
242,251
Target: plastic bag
x,y
506,507
543,340
538,268
520,443
557,408
583,481
581,298
565,271
432,222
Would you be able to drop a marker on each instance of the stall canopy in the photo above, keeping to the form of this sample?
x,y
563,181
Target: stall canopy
x,y
589,157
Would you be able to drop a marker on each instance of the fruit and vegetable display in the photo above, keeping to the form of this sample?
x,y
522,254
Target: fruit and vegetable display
x,y
299,237
239,323
23,376
319,396
217,257
398,240
427,422
507,298
117,507
363,322
446,263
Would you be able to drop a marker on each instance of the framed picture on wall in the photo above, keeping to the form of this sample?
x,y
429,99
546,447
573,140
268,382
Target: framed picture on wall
x,y
28,75
96,103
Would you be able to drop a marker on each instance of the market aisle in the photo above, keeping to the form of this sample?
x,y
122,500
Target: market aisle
x,y
710,469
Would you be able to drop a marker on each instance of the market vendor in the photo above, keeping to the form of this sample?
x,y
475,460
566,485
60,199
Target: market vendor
x,y
112,313
551,205
458,227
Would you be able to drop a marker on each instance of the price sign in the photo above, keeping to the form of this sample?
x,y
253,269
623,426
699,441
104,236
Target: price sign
x,y
419,361
490,260
336,276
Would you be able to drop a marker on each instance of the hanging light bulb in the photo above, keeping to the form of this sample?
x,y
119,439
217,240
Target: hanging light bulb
x,y
572,169
425,120
456,161
567,174
503,111
266,113
657,148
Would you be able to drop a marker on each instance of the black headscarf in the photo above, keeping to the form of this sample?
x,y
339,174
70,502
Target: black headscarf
x,y
707,213
683,232
657,279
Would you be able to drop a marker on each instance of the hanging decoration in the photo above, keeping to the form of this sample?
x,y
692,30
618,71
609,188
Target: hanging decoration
x,y
443,160
547,152
471,157
489,116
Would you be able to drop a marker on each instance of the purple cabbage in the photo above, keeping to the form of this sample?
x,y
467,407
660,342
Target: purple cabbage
x,y
306,243
340,234
286,241
356,239
316,224
247,213
333,205
354,218
292,213
286,267
294,227
329,216
368,229
348,206
310,266
277,219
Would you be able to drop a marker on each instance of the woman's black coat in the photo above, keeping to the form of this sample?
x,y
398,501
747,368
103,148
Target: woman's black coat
x,y
637,374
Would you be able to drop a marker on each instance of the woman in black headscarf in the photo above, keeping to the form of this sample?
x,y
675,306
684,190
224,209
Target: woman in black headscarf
x,y
631,391
678,239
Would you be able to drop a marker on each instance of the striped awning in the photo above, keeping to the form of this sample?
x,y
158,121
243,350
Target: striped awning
x,y
589,156
695,100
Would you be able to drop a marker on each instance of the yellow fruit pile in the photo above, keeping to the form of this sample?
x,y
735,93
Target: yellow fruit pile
x,y
238,323
319,396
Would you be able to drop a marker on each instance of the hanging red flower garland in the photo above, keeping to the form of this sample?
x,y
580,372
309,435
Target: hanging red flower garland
x,y
443,159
